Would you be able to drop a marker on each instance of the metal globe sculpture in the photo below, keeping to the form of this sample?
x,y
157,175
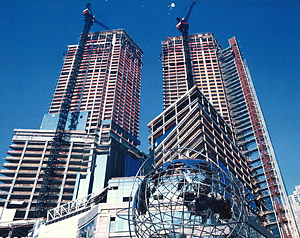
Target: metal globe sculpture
x,y
186,198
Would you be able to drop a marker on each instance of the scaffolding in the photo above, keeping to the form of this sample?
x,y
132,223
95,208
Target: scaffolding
x,y
264,146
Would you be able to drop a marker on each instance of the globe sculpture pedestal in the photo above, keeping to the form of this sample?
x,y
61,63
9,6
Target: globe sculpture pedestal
x,y
186,198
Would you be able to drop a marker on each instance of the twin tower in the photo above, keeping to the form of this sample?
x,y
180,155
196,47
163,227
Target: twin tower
x,y
219,117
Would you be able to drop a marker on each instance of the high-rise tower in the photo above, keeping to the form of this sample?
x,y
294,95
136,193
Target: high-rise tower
x,y
108,85
100,143
224,79
207,74
107,99
253,140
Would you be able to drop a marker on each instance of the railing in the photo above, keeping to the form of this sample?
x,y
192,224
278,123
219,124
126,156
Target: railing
x,y
76,206
69,208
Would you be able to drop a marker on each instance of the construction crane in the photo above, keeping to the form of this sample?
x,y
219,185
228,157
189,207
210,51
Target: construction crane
x,y
89,19
58,138
183,27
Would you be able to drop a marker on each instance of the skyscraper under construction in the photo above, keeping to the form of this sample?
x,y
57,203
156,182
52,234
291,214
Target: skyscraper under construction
x,y
224,79
101,133
218,117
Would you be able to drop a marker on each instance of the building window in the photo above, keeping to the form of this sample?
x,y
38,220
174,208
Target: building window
x,y
118,225
126,199
88,231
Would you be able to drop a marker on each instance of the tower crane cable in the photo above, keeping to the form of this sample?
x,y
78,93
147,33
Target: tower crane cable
x,y
95,11
92,10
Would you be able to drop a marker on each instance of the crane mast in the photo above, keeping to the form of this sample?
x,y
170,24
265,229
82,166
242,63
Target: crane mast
x,y
58,138
183,27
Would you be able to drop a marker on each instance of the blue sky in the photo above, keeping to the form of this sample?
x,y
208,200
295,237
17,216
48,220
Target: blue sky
x,y
34,35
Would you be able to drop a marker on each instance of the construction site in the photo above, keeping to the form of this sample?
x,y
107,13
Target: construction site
x,y
83,174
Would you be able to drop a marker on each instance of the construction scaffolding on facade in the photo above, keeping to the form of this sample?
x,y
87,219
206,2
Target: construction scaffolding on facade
x,y
254,141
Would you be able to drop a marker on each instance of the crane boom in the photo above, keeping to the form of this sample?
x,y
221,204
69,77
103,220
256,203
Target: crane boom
x,y
190,10
63,115
183,27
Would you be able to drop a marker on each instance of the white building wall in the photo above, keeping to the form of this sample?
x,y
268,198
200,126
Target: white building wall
x,y
63,229
295,203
